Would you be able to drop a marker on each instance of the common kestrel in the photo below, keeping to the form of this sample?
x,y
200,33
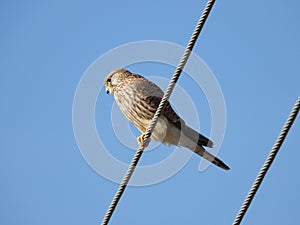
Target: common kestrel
x,y
138,99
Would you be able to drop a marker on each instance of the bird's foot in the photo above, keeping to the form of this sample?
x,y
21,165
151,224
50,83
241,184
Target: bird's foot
x,y
140,140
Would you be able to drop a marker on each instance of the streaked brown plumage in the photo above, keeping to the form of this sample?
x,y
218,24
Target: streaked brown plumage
x,y
138,99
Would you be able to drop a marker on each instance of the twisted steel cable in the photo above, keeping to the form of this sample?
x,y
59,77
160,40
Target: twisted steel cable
x,y
285,129
164,100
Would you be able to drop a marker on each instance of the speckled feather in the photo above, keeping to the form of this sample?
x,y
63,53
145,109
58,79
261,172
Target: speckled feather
x,y
138,99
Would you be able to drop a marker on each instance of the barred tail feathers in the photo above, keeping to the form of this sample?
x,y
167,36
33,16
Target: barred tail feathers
x,y
195,142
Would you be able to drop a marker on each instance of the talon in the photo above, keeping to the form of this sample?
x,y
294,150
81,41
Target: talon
x,y
140,140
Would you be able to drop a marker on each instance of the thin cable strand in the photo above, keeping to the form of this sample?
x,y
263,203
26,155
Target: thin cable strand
x,y
285,129
153,122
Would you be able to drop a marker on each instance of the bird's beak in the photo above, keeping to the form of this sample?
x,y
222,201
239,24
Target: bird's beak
x,y
107,91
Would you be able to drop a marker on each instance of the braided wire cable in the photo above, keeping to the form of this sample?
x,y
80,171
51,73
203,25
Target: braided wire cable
x,y
285,129
166,96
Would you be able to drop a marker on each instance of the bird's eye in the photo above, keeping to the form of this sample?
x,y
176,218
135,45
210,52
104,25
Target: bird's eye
x,y
109,80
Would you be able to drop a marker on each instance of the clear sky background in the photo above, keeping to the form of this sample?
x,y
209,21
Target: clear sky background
x,y
251,46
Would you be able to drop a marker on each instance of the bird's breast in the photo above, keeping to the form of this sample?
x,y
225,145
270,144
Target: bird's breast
x,y
131,106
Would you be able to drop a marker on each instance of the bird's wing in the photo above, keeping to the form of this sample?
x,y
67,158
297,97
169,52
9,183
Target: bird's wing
x,y
151,96
200,139
145,87
172,116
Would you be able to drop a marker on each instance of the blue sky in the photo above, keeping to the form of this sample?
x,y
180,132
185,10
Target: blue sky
x,y
252,48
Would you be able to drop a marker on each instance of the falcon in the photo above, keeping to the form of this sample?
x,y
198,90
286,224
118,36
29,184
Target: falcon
x,y
138,98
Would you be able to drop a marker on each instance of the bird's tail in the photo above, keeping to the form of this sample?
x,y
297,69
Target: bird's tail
x,y
194,141
208,156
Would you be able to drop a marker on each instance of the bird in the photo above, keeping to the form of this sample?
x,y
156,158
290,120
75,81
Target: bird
x,y
138,98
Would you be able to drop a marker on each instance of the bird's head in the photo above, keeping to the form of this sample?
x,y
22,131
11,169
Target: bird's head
x,y
114,78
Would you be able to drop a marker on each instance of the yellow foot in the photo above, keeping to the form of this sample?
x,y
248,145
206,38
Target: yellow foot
x,y
140,140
